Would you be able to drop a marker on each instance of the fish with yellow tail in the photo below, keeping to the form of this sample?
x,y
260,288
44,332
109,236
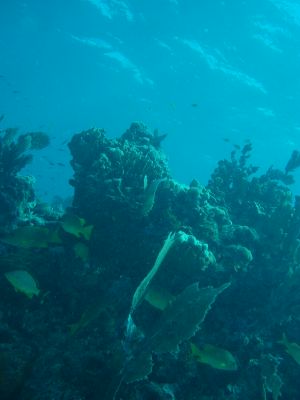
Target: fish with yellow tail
x,y
215,357
31,236
293,349
23,282
158,297
82,251
76,226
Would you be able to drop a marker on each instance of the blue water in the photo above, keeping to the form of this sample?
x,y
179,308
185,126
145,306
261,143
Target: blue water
x,y
199,71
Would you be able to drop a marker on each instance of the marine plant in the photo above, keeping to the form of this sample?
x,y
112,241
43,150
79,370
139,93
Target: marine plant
x,y
16,192
177,323
13,152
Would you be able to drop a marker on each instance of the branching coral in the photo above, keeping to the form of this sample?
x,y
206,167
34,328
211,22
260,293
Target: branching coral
x,y
16,192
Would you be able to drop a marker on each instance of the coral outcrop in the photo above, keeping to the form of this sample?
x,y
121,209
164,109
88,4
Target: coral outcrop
x,y
116,309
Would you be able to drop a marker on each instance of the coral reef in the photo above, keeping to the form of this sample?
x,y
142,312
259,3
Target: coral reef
x,y
227,277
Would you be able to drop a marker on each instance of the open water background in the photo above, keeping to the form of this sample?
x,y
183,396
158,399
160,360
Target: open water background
x,y
209,74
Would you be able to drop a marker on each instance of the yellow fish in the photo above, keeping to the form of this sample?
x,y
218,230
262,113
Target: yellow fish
x,y
23,282
158,297
293,349
215,357
76,226
82,251
31,236
89,315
